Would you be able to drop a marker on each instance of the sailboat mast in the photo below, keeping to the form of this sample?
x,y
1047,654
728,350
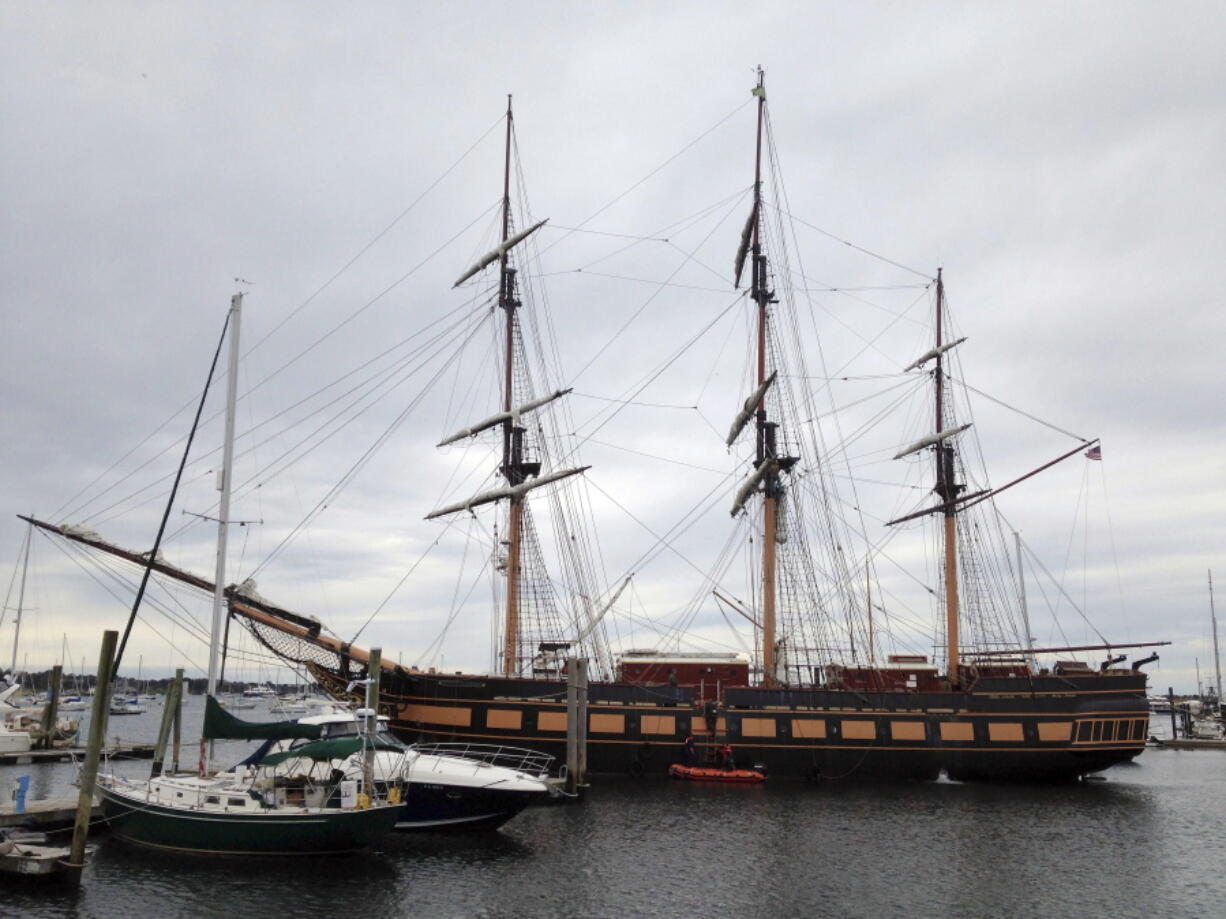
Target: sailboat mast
x,y
512,437
1027,639
1217,660
765,430
947,489
223,509
21,599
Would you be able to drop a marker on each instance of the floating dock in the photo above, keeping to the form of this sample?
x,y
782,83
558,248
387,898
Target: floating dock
x,y
47,815
1189,743
68,754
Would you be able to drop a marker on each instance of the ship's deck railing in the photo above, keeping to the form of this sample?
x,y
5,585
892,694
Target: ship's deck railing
x,y
517,758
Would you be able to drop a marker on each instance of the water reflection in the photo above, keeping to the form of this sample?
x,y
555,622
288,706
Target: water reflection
x,y
1143,843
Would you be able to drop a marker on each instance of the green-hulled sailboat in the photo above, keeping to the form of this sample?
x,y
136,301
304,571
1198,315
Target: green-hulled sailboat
x,y
246,811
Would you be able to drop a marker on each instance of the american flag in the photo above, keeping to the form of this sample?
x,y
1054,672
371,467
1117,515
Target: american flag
x,y
1095,453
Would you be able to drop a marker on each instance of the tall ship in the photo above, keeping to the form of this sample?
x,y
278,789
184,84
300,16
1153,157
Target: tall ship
x,y
823,693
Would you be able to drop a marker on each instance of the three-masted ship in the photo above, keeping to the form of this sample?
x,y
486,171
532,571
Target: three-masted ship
x,y
988,714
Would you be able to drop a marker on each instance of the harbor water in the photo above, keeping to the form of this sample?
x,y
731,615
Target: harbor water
x,y
1145,842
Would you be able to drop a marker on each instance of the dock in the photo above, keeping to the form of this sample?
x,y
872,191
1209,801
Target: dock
x,y
1186,744
46,815
68,754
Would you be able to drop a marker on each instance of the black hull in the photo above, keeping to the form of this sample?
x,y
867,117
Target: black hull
x,y
153,825
1027,729
451,808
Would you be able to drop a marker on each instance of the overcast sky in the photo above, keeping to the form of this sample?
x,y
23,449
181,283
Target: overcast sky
x,y
1062,162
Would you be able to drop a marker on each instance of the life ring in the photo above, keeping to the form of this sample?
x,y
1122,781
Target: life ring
x,y
635,769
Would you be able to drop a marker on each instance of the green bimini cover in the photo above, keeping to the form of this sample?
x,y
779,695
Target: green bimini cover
x,y
336,748
219,724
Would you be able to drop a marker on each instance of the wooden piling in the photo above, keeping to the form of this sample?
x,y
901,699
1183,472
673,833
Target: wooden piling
x,y
374,669
169,712
51,709
1170,695
576,724
89,770
178,723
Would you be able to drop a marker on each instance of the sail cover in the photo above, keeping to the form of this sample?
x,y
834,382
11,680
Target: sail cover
x,y
333,748
219,724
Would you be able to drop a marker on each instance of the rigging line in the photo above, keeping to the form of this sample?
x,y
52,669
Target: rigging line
x,y
457,603
814,430
688,257
663,367
367,305
429,188
663,541
871,342
853,289
174,491
852,245
1115,559
1030,553
653,172
114,570
622,277
869,398
866,378
677,226
715,364
387,379
78,558
714,430
357,465
585,395
656,239
662,459
63,508
849,293
1046,424
16,567
96,514
702,264
187,404
378,609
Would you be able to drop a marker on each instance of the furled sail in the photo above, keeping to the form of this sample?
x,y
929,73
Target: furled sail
x,y
743,249
498,252
747,410
930,440
513,416
515,491
769,465
935,352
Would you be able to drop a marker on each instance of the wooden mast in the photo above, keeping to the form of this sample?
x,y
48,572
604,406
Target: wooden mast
x,y
947,489
512,436
765,430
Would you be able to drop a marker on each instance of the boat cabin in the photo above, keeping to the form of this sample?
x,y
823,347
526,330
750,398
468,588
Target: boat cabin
x,y
707,672
900,673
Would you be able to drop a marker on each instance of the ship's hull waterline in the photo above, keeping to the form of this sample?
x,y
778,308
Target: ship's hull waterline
x,y
1044,729
137,820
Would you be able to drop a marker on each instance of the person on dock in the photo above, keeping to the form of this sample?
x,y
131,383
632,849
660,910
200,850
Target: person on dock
x,y
688,750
